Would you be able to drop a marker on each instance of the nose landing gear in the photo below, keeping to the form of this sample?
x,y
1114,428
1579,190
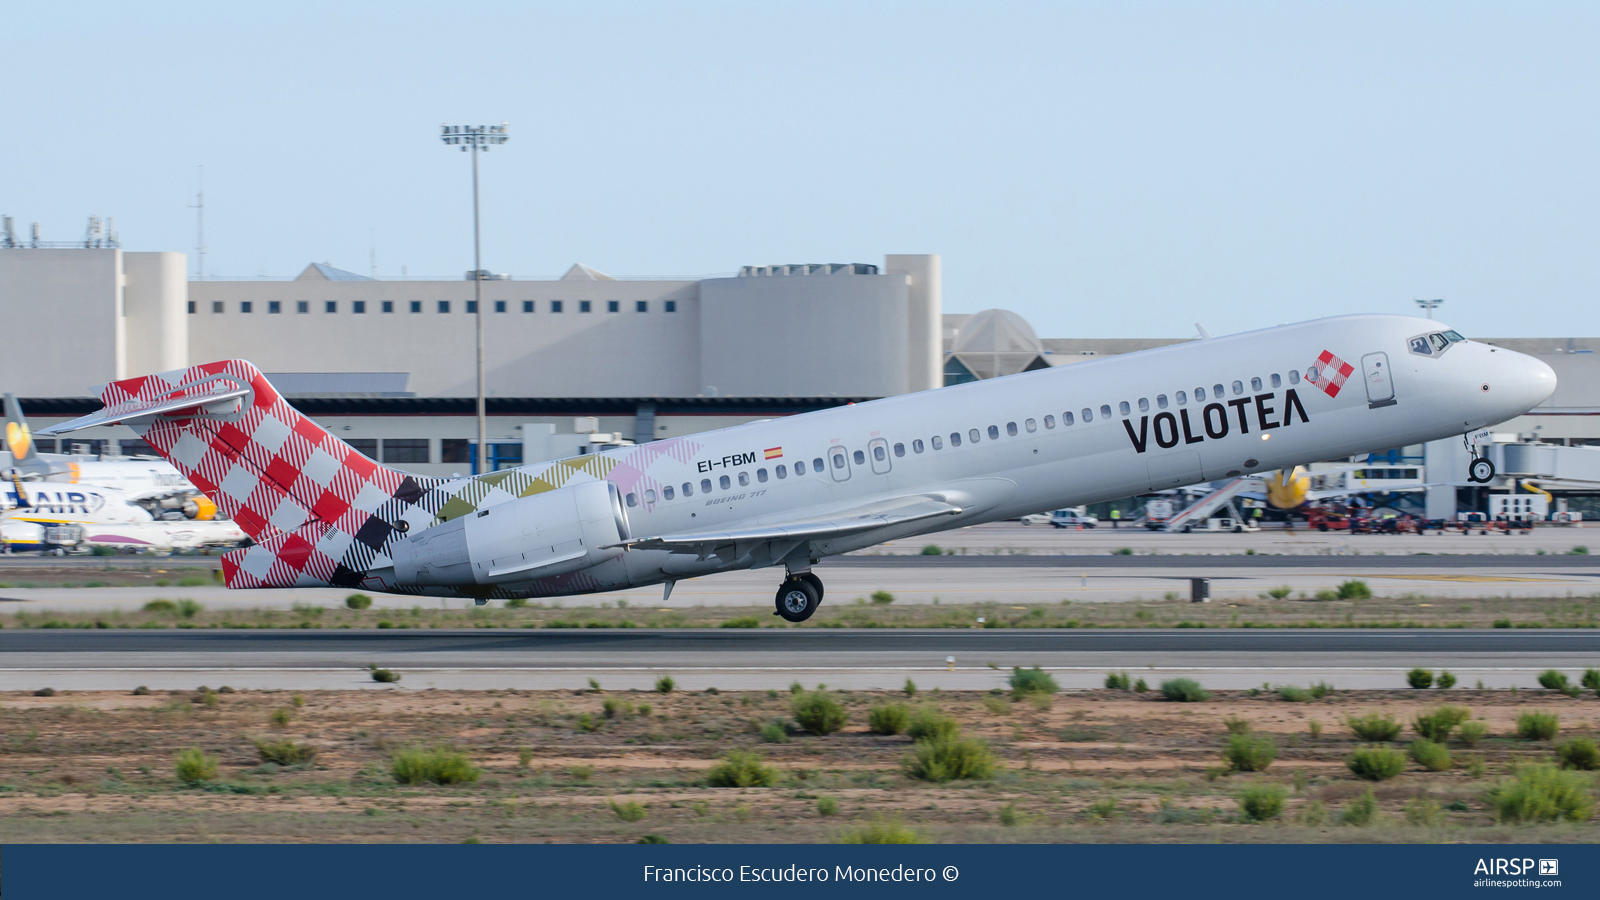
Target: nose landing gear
x,y
1480,471
799,596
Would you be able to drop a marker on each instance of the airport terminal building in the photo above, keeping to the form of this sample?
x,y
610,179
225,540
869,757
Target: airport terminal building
x,y
572,363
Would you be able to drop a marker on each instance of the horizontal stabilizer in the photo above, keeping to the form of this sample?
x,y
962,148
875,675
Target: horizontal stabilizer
x,y
846,523
179,401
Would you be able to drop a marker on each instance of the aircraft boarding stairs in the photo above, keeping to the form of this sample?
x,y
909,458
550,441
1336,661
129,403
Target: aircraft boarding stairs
x,y
1196,513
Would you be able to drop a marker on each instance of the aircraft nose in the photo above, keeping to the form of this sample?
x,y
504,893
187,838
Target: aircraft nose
x,y
1522,381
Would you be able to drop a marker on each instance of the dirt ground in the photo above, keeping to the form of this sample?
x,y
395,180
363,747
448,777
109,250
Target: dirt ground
x,y
1075,767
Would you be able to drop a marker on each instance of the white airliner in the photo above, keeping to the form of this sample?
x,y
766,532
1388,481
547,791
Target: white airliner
x,y
791,491
33,513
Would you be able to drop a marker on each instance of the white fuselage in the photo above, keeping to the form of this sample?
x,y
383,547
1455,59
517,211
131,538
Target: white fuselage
x,y
1002,448
106,516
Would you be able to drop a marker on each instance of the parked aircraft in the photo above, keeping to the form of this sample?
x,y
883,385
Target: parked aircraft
x,y
45,515
788,492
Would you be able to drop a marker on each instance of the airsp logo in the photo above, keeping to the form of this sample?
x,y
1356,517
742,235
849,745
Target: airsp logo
x,y
1516,867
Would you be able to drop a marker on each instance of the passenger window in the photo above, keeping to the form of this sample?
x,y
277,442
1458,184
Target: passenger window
x,y
1105,410
1161,401
955,438
899,449
1144,405
705,485
1088,415
816,464
1011,428
649,496
879,454
744,479
974,435
994,431
861,458
1123,407
688,489
841,463
838,459
1277,381
1294,376
724,482
666,492
1199,394
1049,422
937,443
1031,425
916,446
1238,388
1216,391
761,475
1255,384
782,472
1182,398
1311,374
633,500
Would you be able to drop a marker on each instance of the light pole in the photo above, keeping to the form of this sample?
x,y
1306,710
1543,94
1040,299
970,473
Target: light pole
x,y
476,138
1429,305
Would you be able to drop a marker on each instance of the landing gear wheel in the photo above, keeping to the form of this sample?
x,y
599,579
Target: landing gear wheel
x,y
797,599
1481,471
814,581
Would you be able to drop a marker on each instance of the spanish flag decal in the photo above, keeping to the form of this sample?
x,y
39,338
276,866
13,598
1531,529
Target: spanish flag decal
x,y
774,452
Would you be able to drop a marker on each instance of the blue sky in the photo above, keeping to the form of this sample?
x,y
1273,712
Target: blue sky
x,y
1105,169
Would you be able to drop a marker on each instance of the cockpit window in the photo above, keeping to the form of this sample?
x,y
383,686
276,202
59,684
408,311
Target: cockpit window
x,y
1420,346
1439,342
1454,337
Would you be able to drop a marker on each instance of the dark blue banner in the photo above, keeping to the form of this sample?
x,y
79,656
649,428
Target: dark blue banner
x,y
1346,872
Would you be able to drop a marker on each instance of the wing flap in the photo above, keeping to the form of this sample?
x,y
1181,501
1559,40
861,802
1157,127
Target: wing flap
x,y
845,523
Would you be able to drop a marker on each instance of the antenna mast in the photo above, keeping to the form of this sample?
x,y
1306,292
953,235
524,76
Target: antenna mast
x,y
199,207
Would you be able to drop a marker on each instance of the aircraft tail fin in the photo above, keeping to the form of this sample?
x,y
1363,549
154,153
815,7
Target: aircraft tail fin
x,y
323,510
24,456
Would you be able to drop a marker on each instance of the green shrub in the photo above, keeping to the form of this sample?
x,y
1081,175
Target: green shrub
x,y
1117,681
1032,681
1327,595
1361,811
1445,681
1532,726
358,601
383,676
881,831
741,768
1544,794
280,717
1236,725
1437,725
665,684
774,733
581,773
631,811
1261,802
285,752
1184,690
1139,687
1249,753
950,759
1278,593
1591,679
929,724
652,839
889,718
1578,753
1321,689
195,767
1294,694
818,713
1376,763
1472,732
910,688
614,708
1354,590
1553,680
1579,550
882,598
440,765
1431,756
827,806
1420,678
520,603
1374,727
932,550
741,622
160,606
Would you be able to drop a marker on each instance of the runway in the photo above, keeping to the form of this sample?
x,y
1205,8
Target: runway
x,y
737,659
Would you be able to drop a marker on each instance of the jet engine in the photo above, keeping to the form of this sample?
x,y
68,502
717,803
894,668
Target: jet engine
x,y
547,534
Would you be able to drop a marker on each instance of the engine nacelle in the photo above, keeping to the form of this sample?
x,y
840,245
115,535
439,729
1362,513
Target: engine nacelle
x,y
547,534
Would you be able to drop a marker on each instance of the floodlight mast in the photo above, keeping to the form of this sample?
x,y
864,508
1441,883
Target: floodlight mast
x,y
476,138
1429,305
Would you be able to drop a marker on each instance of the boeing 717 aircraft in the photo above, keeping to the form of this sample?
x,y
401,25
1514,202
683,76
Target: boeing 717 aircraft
x,y
788,492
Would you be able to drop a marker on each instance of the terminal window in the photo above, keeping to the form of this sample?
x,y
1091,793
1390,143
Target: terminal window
x,y
388,306
358,306
405,450
244,306
216,307
191,307
367,447
274,307
613,306
416,306
585,306
444,306
641,306
332,306
499,306
453,450
527,306
302,306
472,307
555,306
672,306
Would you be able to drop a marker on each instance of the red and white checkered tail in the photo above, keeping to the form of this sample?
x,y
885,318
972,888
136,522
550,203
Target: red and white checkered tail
x,y
319,511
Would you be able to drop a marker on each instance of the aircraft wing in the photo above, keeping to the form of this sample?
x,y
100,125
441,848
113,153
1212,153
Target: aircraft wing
x,y
846,522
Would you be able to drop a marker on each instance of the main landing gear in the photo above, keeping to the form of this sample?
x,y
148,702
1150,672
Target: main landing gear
x,y
799,596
